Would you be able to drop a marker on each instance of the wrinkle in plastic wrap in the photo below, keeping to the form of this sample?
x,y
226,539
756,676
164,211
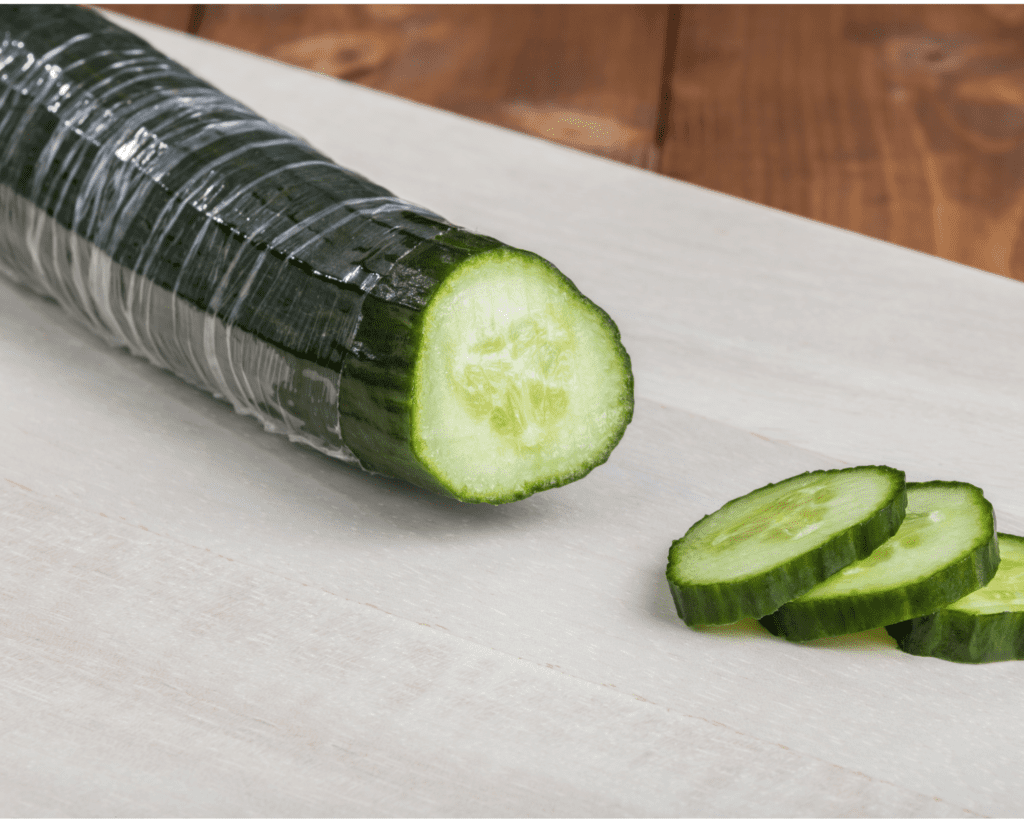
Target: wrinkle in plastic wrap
x,y
176,222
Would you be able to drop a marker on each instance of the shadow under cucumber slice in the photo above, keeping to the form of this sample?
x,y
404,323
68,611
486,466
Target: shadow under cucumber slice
x,y
766,548
985,626
945,548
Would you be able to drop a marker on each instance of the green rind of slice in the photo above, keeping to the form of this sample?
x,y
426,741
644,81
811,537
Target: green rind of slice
x,y
945,549
772,545
985,626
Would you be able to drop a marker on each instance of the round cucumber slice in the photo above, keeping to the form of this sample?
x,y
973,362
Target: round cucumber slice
x,y
521,382
945,549
985,626
768,547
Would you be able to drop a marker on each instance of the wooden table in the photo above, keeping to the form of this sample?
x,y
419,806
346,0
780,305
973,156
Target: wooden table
x,y
200,618
905,123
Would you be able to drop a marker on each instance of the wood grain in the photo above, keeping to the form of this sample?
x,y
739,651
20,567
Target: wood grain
x,y
901,122
584,76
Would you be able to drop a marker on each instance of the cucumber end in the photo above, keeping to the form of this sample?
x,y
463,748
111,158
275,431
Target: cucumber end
x,y
522,383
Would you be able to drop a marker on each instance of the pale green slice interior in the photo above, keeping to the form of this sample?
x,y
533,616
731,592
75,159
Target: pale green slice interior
x,y
778,523
940,520
1005,591
521,382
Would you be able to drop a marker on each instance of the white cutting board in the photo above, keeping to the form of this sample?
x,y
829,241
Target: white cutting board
x,y
199,618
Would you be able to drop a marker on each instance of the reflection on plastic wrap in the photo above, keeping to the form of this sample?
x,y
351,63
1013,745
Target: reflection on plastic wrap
x,y
176,222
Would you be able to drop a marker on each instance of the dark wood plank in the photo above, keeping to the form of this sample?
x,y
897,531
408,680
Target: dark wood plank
x,y
901,122
179,17
585,76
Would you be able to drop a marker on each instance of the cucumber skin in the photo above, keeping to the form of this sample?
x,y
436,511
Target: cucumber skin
x,y
337,305
722,603
799,620
961,637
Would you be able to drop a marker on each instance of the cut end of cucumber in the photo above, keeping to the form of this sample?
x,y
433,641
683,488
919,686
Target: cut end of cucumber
x,y
521,383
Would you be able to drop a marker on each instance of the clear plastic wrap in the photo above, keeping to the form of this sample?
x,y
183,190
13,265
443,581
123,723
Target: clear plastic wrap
x,y
177,223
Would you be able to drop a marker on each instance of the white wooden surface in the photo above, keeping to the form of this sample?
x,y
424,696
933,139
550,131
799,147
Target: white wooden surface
x,y
200,618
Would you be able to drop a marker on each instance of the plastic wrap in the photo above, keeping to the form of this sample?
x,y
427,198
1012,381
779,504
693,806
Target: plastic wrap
x,y
177,223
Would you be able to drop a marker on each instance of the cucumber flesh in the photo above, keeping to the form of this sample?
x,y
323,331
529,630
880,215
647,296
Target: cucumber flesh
x,y
946,548
985,626
768,547
521,383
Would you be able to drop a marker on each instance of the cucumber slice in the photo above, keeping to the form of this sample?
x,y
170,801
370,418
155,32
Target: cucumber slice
x,y
983,627
945,549
768,547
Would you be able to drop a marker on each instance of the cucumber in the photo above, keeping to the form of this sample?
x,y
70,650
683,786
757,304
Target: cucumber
x,y
177,223
945,548
983,627
768,547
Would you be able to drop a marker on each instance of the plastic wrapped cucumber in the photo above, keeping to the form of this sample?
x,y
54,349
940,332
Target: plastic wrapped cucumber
x,y
179,224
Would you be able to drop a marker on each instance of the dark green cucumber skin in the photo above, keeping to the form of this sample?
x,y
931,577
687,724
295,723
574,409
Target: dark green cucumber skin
x,y
702,605
962,637
802,620
334,296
